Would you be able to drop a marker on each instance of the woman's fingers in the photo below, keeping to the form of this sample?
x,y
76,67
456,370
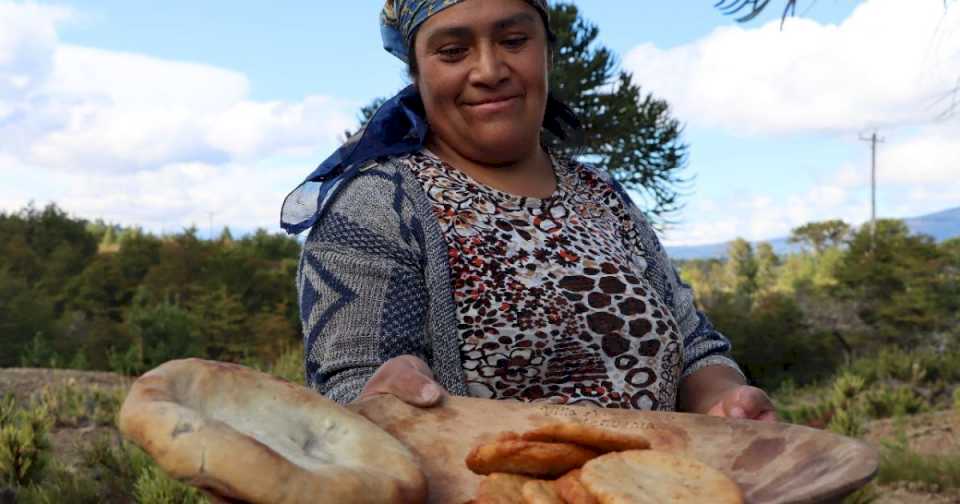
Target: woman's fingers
x,y
745,402
409,379
752,402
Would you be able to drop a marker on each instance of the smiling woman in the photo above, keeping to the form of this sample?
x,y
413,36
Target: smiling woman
x,y
451,252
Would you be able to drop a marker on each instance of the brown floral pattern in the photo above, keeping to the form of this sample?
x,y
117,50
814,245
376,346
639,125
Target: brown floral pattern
x,y
551,299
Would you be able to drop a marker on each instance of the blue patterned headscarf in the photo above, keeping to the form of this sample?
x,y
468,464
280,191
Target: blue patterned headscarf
x,y
400,20
398,127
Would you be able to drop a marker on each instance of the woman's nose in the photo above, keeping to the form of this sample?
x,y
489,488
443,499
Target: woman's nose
x,y
490,68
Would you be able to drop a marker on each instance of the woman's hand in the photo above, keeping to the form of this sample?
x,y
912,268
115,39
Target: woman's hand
x,y
721,391
745,401
409,379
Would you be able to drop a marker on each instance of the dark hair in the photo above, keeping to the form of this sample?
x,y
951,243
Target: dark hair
x,y
559,119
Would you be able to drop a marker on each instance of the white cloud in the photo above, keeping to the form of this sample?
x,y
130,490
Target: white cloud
x,y
145,141
76,108
889,63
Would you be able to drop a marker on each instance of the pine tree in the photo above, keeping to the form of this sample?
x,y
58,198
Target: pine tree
x,y
630,135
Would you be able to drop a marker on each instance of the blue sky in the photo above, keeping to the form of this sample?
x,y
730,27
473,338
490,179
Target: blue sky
x,y
164,118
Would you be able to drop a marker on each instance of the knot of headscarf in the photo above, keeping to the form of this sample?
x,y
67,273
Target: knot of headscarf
x,y
400,19
398,127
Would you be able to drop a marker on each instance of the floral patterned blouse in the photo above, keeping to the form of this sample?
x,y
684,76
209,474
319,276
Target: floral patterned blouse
x,y
552,302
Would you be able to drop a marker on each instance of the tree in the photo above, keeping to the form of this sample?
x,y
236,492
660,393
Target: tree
x,y
897,280
767,266
742,267
628,133
821,235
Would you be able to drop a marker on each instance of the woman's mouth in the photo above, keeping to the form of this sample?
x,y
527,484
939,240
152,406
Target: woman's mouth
x,y
494,106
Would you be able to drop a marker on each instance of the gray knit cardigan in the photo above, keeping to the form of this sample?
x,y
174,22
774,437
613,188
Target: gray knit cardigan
x,y
374,283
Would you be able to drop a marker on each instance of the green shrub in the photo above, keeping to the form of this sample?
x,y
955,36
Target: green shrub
x,y
155,487
126,473
127,363
289,365
956,399
73,406
61,485
806,414
8,407
24,448
846,390
916,367
899,463
892,401
847,423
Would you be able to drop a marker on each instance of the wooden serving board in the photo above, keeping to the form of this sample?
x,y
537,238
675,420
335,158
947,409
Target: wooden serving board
x,y
772,462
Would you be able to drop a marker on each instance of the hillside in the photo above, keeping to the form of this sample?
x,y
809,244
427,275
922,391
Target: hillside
x,y
940,225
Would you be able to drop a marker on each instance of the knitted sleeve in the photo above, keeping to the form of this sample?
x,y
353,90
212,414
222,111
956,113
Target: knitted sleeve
x,y
703,345
361,286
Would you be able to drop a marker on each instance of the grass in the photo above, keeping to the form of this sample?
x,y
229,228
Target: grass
x,y
899,463
74,406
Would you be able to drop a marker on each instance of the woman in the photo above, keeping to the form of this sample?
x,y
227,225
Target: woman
x,y
450,253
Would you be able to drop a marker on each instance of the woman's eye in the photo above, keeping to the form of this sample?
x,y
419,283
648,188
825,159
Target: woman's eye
x,y
452,52
515,42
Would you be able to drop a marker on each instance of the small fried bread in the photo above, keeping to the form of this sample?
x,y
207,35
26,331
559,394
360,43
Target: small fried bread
x,y
572,491
529,458
656,477
501,488
540,492
597,438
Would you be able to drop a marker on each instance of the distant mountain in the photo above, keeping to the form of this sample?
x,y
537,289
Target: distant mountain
x,y
941,226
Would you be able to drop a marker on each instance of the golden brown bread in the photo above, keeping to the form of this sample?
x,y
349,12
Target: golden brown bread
x,y
530,458
604,440
656,477
250,436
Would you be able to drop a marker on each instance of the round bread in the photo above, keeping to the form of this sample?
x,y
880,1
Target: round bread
x,y
530,458
249,436
604,440
540,492
656,477
501,488
572,490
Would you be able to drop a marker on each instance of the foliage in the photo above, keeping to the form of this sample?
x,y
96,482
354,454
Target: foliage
x,y
819,236
24,446
155,487
72,406
900,463
289,365
627,132
67,299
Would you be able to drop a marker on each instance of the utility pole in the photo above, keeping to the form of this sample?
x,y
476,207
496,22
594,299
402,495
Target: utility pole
x,y
874,140
210,227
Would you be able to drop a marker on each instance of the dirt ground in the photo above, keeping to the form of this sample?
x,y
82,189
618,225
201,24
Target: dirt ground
x,y
929,433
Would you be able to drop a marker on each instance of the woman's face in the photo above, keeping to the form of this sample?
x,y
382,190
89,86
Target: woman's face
x,y
482,74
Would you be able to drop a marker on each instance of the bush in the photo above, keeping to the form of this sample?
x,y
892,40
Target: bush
x,y
155,487
72,406
847,423
899,463
24,447
956,399
289,365
892,401
61,485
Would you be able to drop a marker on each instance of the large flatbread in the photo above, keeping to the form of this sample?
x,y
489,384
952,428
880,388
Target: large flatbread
x,y
656,477
249,436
